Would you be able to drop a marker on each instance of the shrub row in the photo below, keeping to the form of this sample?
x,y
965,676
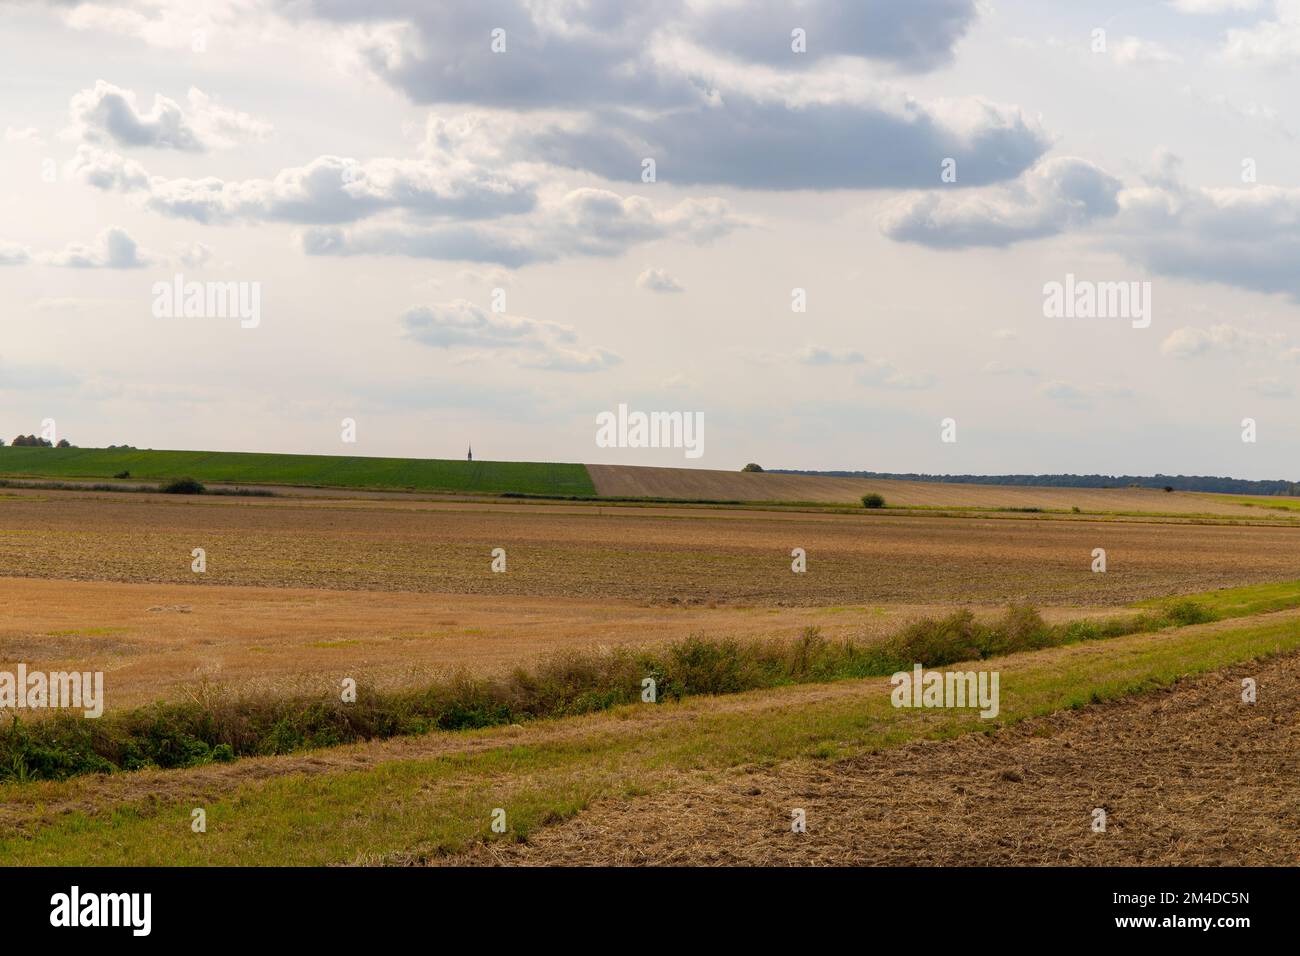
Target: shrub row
x,y
217,727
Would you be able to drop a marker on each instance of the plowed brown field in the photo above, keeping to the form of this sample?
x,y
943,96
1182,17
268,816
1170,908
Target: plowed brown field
x,y
298,591
699,483
667,556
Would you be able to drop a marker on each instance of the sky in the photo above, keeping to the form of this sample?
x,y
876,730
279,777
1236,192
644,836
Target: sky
x,y
824,228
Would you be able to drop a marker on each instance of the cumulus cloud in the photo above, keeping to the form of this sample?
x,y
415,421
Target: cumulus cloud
x,y
194,254
914,36
1274,42
28,134
818,355
1222,339
712,91
1068,395
1213,6
758,144
995,367
111,249
531,343
882,374
1238,236
1056,195
1134,51
658,280
581,54
12,254
584,222
106,113
329,189
107,170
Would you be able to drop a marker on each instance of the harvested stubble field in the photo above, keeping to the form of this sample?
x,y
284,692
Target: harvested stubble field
x,y
162,642
602,554
299,591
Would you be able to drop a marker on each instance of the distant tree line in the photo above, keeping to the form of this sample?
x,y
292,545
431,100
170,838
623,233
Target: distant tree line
x,y
34,441
1236,486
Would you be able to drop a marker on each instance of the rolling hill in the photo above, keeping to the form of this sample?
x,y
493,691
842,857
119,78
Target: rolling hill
x,y
329,471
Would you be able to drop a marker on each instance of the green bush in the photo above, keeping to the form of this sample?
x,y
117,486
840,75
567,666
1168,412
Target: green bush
x,y
182,486
873,500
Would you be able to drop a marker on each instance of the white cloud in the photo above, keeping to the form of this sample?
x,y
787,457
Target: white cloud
x,y
1222,339
1273,42
106,113
658,280
531,343
1069,395
583,222
1214,6
29,135
1134,51
817,355
111,249
13,254
1056,195
194,254
882,374
107,170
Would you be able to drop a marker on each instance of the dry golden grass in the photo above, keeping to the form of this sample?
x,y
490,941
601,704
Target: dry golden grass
x,y
166,641
301,592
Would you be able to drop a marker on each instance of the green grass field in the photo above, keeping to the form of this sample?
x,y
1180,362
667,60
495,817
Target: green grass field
x,y
327,471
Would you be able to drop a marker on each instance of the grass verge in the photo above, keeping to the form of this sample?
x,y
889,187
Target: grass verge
x,y
410,810
217,728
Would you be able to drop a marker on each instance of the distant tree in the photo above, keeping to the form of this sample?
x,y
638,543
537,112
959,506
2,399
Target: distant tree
x,y
752,467
873,500
63,443
1169,487
31,441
